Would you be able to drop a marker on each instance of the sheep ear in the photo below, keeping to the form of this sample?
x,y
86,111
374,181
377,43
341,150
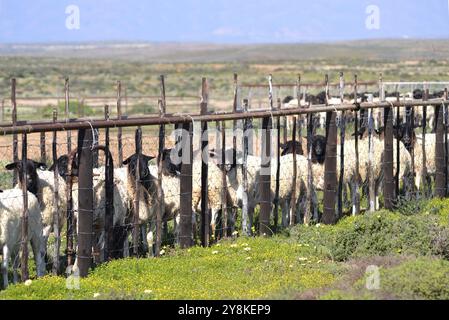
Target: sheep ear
x,y
12,166
147,158
40,165
127,161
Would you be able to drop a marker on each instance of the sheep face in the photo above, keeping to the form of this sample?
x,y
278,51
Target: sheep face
x,y
319,149
168,167
30,171
288,148
144,171
63,166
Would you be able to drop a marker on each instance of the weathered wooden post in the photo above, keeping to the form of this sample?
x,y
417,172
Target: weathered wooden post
x,y
24,244
185,233
56,198
205,223
388,159
224,200
293,207
119,130
160,192
424,156
278,168
311,205
246,224
440,174
67,114
265,179
356,192
162,103
342,149
15,140
265,171
138,188
446,145
330,164
85,201
398,150
234,142
109,193
42,147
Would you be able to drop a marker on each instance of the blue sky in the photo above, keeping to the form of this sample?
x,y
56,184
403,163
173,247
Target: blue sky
x,y
220,21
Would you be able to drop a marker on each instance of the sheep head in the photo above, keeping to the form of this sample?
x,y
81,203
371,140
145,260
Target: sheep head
x,y
30,171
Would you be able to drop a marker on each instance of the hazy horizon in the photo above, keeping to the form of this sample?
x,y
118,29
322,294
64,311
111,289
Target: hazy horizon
x,y
220,21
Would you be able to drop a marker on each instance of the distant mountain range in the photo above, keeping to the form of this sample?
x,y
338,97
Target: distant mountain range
x,y
391,49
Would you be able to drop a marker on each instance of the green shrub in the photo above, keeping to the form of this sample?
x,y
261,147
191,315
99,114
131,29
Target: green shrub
x,y
423,278
381,233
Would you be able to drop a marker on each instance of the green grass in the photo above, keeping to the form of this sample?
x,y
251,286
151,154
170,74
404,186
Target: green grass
x,y
318,262
225,271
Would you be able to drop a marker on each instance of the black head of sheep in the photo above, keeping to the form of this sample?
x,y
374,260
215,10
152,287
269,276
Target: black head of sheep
x,y
318,149
287,99
63,166
287,148
31,173
144,171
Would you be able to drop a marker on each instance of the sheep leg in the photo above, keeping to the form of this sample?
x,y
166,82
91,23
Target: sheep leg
x,y
126,247
15,267
39,255
143,235
376,194
213,221
285,216
315,205
5,264
352,196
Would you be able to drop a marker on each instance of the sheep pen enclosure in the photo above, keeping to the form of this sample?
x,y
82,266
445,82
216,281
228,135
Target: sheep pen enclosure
x,y
87,190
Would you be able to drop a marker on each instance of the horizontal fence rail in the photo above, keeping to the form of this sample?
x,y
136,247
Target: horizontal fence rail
x,y
35,127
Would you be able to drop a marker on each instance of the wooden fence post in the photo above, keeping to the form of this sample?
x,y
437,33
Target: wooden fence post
x,y
109,181
43,148
67,114
265,171
185,233
234,142
330,164
278,169
310,193
224,200
162,103
446,146
388,159
24,244
119,130
138,188
15,139
342,150
424,157
204,166
440,179
265,179
56,197
398,151
85,201
356,193
246,224
160,192
293,212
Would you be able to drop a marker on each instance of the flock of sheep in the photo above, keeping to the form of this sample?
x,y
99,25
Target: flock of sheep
x,y
41,187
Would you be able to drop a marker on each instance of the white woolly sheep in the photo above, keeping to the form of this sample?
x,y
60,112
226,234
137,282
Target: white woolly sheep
x,y
11,208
